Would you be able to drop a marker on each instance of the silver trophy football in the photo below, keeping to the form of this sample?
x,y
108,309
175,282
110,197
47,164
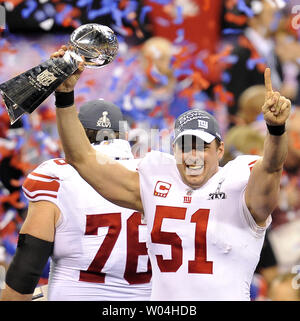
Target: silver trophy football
x,y
25,92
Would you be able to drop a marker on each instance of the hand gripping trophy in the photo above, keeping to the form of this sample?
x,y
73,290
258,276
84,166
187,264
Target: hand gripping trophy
x,y
25,92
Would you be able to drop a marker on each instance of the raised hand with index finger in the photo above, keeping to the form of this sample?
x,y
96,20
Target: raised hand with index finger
x,y
276,108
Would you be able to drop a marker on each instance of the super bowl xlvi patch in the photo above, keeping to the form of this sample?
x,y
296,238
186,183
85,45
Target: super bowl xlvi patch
x,y
104,121
218,194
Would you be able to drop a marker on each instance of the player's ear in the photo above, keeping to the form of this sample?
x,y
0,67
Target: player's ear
x,y
220,150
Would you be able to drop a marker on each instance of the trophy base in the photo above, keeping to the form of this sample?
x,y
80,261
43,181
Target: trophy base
x,y
13,110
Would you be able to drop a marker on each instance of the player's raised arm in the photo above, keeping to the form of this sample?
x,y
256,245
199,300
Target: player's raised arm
x,y
112,180
262,191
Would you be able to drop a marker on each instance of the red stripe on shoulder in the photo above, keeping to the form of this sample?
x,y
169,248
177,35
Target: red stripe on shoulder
x,y
39,194
34,185
43,176
252,164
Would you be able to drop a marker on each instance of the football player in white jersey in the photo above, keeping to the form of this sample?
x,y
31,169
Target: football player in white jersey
x,y
98,250
206,224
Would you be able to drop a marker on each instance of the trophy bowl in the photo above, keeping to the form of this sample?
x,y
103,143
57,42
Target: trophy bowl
x,y
97,43
25,92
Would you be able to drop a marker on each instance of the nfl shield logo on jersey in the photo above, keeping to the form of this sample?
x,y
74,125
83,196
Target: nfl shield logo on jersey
x,y
162,189
188,198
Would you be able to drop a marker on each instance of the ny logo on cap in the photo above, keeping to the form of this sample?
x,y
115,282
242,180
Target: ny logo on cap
x,y
104,121
202,124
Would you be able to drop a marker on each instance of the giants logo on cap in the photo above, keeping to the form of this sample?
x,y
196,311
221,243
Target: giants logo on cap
x,y
161,189
202,124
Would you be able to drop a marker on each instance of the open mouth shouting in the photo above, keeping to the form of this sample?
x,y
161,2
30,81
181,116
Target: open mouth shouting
x,y
194,168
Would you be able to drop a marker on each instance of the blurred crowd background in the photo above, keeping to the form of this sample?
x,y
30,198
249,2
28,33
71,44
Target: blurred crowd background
x,y
173,55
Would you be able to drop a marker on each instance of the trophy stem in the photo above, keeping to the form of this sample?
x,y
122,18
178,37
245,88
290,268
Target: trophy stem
x,y
25,92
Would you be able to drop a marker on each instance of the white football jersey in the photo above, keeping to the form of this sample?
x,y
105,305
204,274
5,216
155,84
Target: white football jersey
x,y
203,244
99,248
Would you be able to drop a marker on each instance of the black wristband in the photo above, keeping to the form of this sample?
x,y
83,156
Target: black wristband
x,y
64,99
276,130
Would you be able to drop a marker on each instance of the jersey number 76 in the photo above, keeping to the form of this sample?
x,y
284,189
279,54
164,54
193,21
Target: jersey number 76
x,y
134,248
